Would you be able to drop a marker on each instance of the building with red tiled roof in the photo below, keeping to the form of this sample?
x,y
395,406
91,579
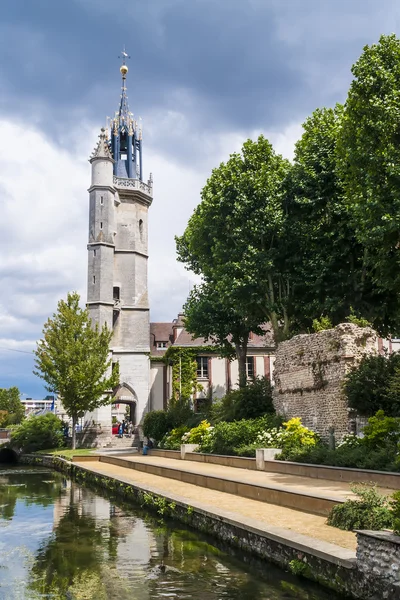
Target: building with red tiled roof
x,y
215,373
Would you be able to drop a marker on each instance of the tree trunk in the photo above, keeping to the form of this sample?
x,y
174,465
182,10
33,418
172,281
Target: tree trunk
x,y
74,421
241,352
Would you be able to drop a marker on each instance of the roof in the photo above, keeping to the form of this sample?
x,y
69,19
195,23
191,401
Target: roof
x,y
160,332
163,332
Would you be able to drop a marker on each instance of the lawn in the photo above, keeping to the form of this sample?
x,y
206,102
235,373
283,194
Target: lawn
x,y
67,452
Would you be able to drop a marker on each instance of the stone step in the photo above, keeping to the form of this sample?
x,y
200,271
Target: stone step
x,y
319,502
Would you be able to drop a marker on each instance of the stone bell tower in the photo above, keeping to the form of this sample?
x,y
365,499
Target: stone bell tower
x,y
118,254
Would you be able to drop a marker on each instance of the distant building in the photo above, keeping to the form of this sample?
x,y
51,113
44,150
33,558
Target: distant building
x,y
48,404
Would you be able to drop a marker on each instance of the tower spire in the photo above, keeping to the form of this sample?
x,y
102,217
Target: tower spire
x,y
126,142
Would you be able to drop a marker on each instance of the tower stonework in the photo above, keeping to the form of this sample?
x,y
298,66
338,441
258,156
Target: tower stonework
x,y
118,254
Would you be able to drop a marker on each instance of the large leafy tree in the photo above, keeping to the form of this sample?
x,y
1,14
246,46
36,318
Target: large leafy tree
x,y
73,359
232,240
326,263
11,408
369,151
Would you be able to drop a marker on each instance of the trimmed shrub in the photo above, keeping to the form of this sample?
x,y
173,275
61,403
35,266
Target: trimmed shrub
x,y
156,424
38,433
179,412
371,511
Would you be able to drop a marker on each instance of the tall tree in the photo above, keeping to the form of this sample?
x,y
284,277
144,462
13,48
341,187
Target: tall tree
x,y
369,151
233,238
11,406
206,316
73,359
328,267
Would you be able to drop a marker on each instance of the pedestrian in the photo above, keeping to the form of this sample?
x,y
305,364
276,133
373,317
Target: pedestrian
x,y
130,428
147,446
120,430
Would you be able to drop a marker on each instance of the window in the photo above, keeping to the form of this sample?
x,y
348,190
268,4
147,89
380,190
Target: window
x,y
94,252
161,345
141,230
202,367
101,199
101,224
94,278
115,317
250,366
116,295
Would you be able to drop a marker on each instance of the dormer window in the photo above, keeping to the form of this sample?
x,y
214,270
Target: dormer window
x,y
161,345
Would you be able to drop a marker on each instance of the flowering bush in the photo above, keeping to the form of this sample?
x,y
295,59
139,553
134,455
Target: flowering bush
x,y
196,434
350,441
173,440
292,435
297,435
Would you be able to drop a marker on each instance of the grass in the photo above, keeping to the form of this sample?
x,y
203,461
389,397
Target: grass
x,y
67,452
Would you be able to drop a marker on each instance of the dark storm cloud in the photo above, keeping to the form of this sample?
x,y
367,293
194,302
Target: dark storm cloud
x,y
227,65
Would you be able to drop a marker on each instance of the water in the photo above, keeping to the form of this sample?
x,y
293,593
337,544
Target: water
x,y
59,540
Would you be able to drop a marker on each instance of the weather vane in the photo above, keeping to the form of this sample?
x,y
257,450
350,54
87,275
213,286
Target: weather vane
x,y
124,56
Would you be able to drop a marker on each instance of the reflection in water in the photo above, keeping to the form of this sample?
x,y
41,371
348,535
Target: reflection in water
x,y
60,540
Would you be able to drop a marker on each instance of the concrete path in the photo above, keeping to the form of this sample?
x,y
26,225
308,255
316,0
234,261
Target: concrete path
x,y
322,488
276,518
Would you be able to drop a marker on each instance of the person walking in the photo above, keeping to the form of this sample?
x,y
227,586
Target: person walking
x,y
130,429
120,430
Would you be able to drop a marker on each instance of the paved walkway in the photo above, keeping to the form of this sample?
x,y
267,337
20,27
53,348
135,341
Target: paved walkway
x,y
303,485
240,509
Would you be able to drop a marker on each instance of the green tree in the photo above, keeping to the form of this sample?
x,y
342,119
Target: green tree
x,y
369,152
73,359
207,316
232,240
40,432
328,268
11,406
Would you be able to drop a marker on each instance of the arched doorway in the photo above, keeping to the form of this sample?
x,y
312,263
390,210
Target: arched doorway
x,y
125,395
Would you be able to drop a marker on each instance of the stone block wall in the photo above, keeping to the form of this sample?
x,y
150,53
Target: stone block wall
x,y
309,372
378,559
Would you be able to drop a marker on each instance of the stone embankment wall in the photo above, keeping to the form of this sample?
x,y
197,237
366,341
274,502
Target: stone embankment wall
x,y
378,558
309,373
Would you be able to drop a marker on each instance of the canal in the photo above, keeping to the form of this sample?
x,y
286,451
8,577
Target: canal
x,y
60,540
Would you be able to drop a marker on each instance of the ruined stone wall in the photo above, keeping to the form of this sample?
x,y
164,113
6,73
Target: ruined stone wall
x,y
309,373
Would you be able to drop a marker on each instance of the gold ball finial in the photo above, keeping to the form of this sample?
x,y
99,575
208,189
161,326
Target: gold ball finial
x,y
124,70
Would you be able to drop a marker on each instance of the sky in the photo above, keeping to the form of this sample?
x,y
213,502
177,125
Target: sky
x,y
204,76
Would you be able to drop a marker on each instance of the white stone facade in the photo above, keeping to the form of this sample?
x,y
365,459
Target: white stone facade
x,y
117,276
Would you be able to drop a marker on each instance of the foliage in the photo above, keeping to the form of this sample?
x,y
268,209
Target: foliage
x,y
359,321
73,359
156,424
297,435
255,400
298,567
377,450
369,153
184,371
226,438
196,434
179,412
321,324
38,433
173,440
370,511
232,240
381,430
367,385
11,408
326,266
395,506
